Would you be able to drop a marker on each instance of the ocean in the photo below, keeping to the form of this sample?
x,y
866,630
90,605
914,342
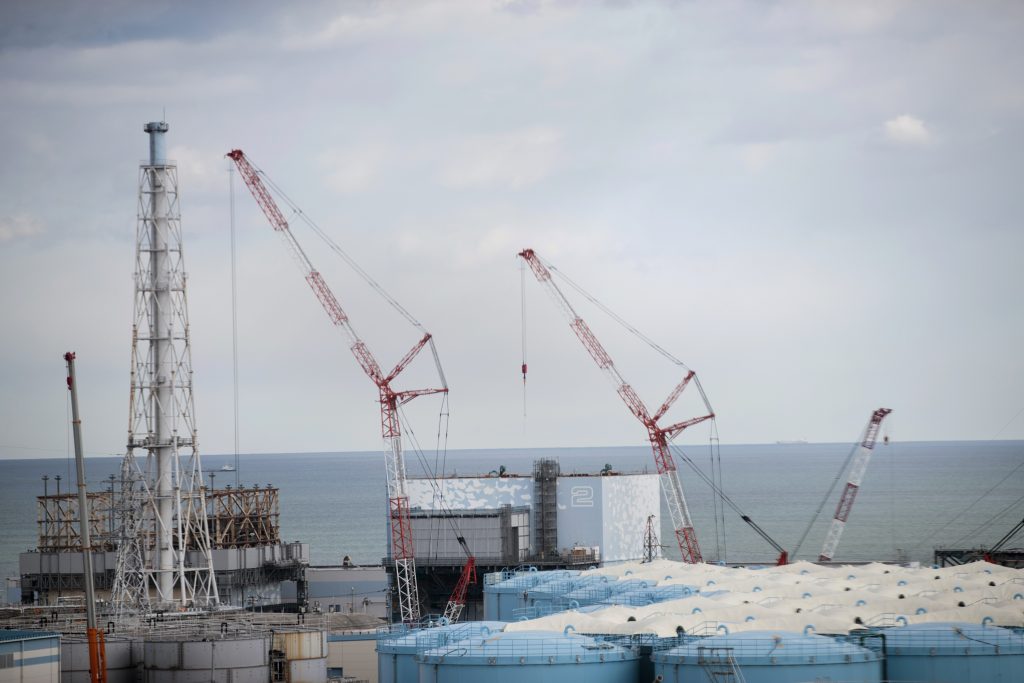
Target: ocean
x,y
915,496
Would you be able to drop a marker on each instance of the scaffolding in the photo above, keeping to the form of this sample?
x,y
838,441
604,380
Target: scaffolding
x,y
244,517
545,483
58,522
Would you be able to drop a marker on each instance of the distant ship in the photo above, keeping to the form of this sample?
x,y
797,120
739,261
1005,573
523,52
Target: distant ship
x,y
227,468
795,442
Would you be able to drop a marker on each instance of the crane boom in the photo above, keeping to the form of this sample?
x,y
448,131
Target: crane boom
x,y
402,551
457,600
857,469
659,436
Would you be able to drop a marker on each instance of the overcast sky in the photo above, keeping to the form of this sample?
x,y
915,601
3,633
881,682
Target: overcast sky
x,y
816,205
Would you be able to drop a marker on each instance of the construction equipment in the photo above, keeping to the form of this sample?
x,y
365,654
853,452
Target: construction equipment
x,y
860,458
659,436
402,551
457,601
97,645
998,545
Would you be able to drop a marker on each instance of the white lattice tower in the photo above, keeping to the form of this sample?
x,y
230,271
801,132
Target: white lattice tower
x,y
130,593
171,532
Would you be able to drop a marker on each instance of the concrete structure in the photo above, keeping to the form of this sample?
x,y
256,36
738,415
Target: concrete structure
x,y
250,561
344,590
29,657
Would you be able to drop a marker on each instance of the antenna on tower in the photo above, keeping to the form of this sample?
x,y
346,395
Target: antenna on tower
x,y
652,549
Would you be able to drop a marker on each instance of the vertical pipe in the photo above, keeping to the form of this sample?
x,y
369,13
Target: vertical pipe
x,y
160,340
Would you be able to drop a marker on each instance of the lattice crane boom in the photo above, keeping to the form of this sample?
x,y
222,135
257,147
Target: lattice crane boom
x,y
659,436
857,468
402,550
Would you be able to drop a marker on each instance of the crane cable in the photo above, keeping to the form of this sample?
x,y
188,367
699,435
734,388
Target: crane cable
x,y
982,496
522,326
341,253
708,480
432,475
989,522
828,494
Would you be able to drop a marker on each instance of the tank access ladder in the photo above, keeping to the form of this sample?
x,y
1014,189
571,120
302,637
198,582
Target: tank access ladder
x,y
719,664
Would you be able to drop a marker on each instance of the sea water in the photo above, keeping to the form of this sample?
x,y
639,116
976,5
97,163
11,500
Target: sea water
x,y
915,496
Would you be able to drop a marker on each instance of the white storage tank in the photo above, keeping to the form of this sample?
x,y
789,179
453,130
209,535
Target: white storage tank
x,y
122,658
205,659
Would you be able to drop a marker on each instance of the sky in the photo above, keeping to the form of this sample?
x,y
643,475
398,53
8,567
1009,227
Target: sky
x,y
814,205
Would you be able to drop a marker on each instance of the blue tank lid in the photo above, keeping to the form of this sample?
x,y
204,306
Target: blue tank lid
x,y
436,636
952,638
766,648
527,647
524,580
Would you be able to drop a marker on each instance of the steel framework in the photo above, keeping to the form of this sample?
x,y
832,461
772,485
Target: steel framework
x,y
245,517
163,501
659,436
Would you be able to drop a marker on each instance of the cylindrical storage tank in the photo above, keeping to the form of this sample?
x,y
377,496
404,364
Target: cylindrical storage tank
x,y
953,651
303,655
510,595
534,656
768,657
396,656
237,659
74,660
549,596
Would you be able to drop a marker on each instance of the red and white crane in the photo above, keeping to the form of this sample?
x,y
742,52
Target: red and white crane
x,y
402,551
659,436
857,468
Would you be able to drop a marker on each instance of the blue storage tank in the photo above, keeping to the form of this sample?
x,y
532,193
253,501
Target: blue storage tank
x,y
510,595
768,657
638,597
396,652
954,651
534,656
549,596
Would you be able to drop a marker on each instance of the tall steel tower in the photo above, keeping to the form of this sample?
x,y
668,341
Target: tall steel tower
x,y
164,557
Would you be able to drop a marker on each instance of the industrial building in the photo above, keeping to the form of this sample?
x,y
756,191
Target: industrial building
x,y
546,518
29,656
250,560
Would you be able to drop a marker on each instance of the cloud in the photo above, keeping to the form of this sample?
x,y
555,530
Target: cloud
x,y
757,156
513,159
907,130
19,226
